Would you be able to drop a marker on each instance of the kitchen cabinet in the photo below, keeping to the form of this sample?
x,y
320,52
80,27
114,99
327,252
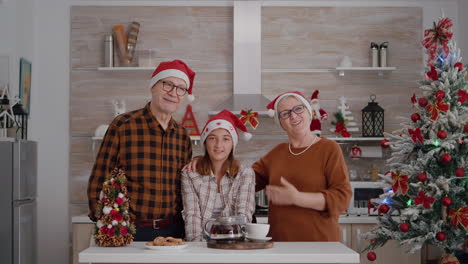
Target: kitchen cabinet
x,y
389,254
82,234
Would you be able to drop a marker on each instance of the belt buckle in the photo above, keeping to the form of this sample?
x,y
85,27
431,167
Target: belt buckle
x,y
155,223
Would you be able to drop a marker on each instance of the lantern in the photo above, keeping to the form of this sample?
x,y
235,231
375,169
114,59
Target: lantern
x,y
21,118
372,119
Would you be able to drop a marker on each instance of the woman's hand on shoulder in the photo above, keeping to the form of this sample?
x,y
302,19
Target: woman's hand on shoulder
x,y
192,165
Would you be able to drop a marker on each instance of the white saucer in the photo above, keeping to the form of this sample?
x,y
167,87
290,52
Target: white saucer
x,y
258,239
177,247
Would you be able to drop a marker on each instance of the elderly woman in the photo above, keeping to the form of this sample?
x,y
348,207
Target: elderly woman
x,y
306,179
218,185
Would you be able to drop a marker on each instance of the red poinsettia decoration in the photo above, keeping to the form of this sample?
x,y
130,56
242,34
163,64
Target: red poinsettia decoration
x,y
439,35
462,96
459,216
400,182
426,201
433,74
416,135
437,107
249,117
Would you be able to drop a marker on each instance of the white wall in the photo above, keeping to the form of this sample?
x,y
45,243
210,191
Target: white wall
x,y
49,126
463,22
48,22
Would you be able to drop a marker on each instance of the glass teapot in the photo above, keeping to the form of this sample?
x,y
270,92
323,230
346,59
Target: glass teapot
x,y
226,228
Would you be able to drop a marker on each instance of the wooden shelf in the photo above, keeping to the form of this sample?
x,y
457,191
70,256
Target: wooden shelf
x,y
379,70
152,68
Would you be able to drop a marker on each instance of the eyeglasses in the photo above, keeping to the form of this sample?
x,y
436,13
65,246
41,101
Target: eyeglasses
x,y
168,87
298,109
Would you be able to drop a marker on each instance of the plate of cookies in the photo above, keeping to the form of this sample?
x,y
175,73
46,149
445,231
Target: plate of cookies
x,y
166,243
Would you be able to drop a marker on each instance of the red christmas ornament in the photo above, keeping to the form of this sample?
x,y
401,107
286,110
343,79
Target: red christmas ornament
x,y
445,158
446,201
383,143
356,152
460,172
422,101
371,256
441,236
440,94
415,117
422,177
384,208
466,243
465,128
442,134
404,227
459,65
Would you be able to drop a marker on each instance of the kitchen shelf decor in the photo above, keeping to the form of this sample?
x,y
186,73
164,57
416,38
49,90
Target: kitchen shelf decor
x,y
372,119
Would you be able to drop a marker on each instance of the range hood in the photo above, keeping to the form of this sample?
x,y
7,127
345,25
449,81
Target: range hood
x,y
247,61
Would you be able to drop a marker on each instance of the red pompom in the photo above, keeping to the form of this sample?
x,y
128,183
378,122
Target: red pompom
x,y
383,143
445,158
460,172
422,102
422,177
371,256
384,208
415,117
446,201
459,65
440,94
404,227
442,134
441,236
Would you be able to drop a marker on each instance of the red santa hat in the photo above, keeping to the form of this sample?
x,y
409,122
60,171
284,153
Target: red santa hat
x,y
175,68
273,105
314,95
227,120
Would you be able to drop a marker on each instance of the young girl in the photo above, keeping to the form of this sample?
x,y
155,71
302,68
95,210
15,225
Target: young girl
x,y
220,186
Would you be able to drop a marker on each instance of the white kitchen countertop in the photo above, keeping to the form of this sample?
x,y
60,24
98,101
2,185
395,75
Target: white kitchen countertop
x,y
198,252
82,219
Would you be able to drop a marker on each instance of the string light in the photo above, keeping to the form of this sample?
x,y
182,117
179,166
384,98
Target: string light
x,y
436,142
409,202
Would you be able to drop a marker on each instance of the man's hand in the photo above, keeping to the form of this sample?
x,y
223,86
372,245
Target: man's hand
x,y
192,165
285,194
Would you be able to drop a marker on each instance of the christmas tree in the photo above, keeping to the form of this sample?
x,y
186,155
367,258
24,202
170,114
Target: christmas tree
x,y
429,187
114,227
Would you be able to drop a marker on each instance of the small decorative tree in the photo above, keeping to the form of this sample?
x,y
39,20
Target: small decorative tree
x,y
114,227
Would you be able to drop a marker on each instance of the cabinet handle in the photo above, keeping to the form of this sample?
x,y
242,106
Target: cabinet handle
x,y
343,235
358,234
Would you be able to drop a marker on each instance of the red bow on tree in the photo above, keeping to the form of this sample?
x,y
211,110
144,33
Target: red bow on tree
x,y
249,117
437,107
438,35
462,96
416,134
459,216
423,199
400,182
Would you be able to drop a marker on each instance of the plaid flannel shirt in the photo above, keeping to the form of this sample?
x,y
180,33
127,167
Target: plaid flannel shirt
x,y
152,159
199,196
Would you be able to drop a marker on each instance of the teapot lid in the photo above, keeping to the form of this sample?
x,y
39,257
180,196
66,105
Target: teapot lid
x,y
236,219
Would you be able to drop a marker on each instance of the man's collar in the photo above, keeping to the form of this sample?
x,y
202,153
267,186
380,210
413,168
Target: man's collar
x,y
154,123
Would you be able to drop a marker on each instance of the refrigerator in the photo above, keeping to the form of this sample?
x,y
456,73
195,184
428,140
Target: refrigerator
x,y
18,206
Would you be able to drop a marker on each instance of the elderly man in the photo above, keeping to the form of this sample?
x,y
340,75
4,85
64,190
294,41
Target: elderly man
x,y
151,147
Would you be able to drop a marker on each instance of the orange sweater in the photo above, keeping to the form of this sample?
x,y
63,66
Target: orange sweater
x,y
320,169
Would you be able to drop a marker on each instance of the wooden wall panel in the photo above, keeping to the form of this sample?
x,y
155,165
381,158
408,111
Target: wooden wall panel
x,y
318,37
201,36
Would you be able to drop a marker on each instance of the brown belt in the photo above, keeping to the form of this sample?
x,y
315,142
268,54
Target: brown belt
x,y
158,223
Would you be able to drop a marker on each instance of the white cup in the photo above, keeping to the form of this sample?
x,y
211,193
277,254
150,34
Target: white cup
x,y
257,230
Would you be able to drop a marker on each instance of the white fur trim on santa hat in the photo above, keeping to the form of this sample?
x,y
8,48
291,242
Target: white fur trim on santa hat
x,y
191,98
300,98
170,73
215,124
